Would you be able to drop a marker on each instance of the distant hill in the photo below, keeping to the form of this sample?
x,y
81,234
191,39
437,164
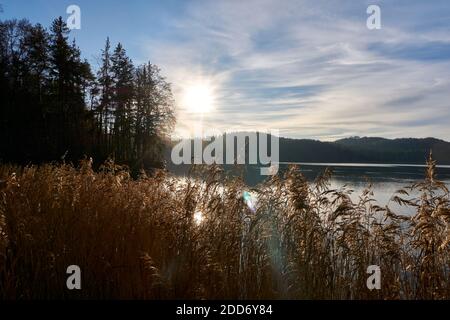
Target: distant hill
x,y
366,149
305,150
363,150
405,150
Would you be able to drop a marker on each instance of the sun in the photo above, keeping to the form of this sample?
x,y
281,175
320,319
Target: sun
x,y
198,98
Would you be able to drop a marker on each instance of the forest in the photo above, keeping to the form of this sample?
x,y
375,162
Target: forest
x,y
56,106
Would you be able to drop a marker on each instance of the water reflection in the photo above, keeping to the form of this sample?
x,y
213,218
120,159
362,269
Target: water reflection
x,y
385,179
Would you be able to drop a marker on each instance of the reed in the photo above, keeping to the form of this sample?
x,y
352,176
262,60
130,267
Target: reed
x,y
138,238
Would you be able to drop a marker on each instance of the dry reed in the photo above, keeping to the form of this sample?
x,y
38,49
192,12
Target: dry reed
x,y
137,238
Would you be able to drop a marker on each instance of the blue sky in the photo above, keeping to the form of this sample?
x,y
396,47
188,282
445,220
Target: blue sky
x,y
311,69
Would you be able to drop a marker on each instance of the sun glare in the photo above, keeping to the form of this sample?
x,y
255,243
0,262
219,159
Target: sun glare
x,y
198,98
198,217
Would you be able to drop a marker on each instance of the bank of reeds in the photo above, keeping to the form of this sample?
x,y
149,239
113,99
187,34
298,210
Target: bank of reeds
x,y
143,238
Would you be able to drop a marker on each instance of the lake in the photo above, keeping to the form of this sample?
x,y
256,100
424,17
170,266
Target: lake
x,y
385,178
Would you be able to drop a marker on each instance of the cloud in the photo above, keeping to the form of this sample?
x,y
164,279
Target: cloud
x,y
311,68
429,51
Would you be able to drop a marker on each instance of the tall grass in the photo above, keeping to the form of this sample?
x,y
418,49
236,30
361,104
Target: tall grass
x,y
137,238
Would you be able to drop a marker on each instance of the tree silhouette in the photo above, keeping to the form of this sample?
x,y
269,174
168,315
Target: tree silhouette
x,y
52,105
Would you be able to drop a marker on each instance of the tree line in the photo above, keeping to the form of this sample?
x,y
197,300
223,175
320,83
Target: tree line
x,y
54,106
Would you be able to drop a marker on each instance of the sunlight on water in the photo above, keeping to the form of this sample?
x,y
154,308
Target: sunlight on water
x,y
198,218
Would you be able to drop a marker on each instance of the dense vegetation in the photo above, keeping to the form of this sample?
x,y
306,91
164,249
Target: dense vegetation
x,y
404,150
53,106
372,150
144,239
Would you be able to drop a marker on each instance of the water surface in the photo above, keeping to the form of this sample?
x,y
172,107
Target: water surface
x,y
385,179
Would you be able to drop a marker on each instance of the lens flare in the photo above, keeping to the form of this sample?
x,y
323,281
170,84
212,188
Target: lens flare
x,y
250,201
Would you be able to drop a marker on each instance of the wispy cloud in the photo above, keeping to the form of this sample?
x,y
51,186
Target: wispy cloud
x,y
312,68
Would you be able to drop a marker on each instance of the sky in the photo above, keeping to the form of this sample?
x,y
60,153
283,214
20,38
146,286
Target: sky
x,y
310,69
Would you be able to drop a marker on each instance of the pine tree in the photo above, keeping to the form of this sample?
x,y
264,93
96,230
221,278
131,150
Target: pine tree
x,y
69,78
122,71
105,82
155,117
